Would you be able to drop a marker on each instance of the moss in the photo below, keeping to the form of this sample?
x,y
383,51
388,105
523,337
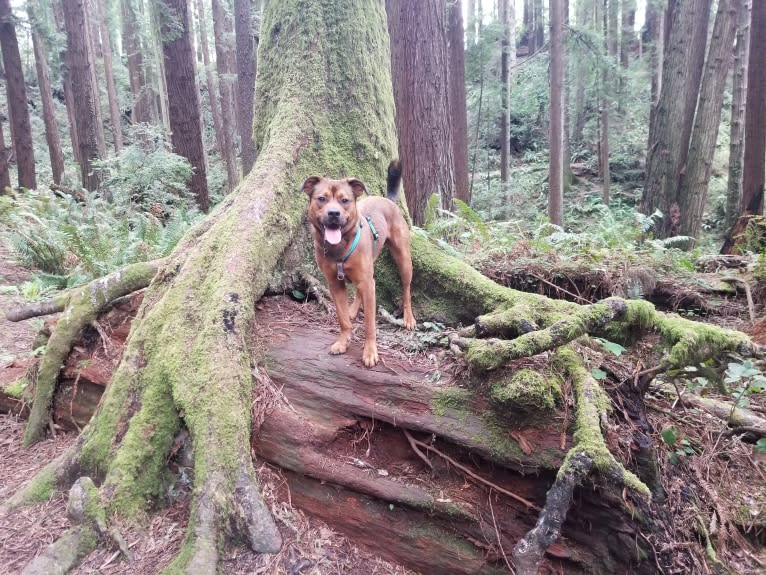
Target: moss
x,y
41,487
16,389
526,391
454,398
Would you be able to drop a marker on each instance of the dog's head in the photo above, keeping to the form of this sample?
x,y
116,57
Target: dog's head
x,y
332,210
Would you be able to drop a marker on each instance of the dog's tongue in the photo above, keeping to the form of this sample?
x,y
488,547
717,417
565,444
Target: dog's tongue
x,y
332,236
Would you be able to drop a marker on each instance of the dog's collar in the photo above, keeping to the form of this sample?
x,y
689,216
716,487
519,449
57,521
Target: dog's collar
x,y
355,243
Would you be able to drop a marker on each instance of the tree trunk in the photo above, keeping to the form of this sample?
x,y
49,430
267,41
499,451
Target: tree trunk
x,y
93,45
66,72
607,92
695,181
470,29
46,95
226,64
755,115
419,73
583,17
556,164
5,157
539,23
84,104
507,59
671,126
654,35
628,34
457,102
212,86
114,108
195,354
133,46
245,13
737,121
21,130
157,73
183,96
528,35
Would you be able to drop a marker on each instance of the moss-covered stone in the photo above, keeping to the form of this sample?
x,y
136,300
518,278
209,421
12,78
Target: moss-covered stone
x,y
526,392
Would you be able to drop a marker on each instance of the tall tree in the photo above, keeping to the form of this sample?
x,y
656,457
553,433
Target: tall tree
x,y
66,72
654,36
507,60
226,64
627,34
418,68
755,115
46,95
142,105
212,85
93,43
183,95
111,90
21,130
556,163
245,15
737,121
672,123
5,156
457,101
84,103
537,6
609,26
583,17
695,179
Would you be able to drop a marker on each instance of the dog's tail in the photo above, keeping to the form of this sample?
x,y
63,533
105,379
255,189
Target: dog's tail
x,y
394,180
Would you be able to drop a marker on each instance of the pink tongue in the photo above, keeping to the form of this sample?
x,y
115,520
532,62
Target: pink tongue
x,y
332,236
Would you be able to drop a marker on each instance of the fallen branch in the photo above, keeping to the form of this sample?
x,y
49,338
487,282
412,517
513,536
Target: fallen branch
x,y
735,416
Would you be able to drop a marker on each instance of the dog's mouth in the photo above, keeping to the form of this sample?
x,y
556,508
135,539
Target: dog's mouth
x,y
332,233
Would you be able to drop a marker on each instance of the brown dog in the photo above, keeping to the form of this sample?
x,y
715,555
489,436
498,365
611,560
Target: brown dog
x,y
348,236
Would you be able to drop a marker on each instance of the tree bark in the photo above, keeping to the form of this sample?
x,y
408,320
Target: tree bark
x,y
539,24
66,72
672,124
183,96
111,90
583,17
419,71
46,95
84,103
507,60
133,46
457,102
556,164
246,14
226,64
21,130
628,34
755,115
737,120
5,161
212,85
695,181
654,35
93,44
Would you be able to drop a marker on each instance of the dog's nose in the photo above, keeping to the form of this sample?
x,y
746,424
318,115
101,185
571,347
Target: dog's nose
x,y
333,213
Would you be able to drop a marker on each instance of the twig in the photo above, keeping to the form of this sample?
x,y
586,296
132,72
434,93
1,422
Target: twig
x,y
748,295
416,449
654,551
559,288
497,534
478,478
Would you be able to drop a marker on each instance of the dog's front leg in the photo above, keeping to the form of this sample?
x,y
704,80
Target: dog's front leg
x,y
340,297
370,352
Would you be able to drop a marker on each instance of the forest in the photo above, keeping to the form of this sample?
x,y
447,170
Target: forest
x,y
584,390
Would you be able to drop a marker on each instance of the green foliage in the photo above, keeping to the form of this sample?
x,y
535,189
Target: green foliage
x,y
680,447
743,380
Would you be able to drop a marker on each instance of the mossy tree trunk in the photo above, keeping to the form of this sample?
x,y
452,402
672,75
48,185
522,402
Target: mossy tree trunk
x,y
324,105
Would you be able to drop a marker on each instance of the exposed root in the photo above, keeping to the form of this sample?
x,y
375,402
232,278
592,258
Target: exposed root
x,y
88,525
81,309
728,412
589,451
39,308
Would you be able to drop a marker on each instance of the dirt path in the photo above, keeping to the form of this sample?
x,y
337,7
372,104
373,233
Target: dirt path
x,y
15,338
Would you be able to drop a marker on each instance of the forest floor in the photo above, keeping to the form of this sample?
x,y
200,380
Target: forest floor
x,y
311,546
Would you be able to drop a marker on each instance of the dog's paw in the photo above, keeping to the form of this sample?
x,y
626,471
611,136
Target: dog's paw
x,y
409,321
339,347
370,355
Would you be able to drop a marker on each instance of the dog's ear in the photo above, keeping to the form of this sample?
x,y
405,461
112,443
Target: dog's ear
x,y
357,186
309,183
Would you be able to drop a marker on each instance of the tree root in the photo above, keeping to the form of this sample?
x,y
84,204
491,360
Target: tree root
x,y
81,306
589,451
727,411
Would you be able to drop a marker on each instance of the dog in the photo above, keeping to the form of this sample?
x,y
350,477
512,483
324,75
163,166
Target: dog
x,y
349,234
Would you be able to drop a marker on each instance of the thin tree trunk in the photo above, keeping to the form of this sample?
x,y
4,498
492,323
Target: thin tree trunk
x,y
419,70
695,180
114,108
583,17
183,96
46,95
556,165
457,102
506,21
66,73
655,36
132,46
539,24
672,124
470,31
529,27
79,59
159,79
223,31
94,46
21,130
736,137
212,85
247,46
5,154
755,115
628,34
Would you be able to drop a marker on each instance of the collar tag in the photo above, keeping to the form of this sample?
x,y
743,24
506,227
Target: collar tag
x,y
341,273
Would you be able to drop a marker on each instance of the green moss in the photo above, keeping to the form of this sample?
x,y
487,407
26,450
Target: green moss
x,y
526,391
16,389
453,398
41,487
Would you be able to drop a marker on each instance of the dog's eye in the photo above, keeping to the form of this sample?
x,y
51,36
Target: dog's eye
x,y
321,199
345,201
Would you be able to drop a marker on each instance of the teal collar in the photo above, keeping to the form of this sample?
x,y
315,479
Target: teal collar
x,y
355,243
